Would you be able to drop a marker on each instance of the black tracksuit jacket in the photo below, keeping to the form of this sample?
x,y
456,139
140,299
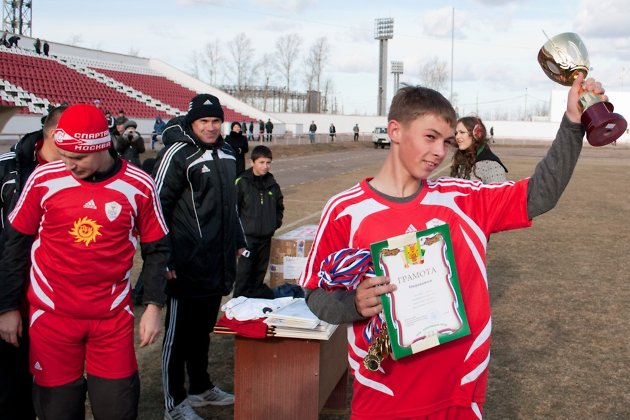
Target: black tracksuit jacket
x,y
196,187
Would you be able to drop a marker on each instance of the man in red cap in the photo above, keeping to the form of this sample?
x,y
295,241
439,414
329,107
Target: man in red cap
x,y
81,219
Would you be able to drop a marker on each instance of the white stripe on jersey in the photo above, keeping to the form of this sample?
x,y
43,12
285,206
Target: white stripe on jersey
x,y
474,374
146,180
480,339
39,171
360,211
36,315
36,275
128,190
356,367
447,199
466,183
475,251
123,294
476,410
351,193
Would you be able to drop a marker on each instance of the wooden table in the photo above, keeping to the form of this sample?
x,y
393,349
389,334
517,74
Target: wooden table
x,y
288,378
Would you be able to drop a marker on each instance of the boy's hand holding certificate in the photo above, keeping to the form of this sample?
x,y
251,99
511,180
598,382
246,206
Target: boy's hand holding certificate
x,y
426,309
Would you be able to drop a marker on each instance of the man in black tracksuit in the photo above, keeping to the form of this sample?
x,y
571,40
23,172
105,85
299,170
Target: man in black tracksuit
x,y
195,174
15,167
261,208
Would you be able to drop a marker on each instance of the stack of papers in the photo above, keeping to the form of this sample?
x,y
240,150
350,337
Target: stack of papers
x,y
296,320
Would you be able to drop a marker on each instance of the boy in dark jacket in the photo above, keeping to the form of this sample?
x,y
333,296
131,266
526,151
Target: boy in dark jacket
x,y
261,207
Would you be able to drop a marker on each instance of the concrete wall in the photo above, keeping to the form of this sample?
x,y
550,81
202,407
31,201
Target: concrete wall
x,y
297,124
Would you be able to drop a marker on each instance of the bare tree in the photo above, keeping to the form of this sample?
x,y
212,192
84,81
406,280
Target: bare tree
x,y
288,47
315,63
434,74
241,51
328,92
211,60
267,65
193,68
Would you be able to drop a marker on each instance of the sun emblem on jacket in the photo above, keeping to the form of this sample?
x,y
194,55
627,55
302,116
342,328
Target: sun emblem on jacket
x,y
85,230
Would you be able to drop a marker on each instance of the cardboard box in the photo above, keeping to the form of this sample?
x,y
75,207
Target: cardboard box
x,y
288,255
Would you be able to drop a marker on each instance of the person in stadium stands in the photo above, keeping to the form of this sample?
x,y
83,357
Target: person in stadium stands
x,y
122,118
3,40
38,46
129,144
238,142
46,48
158,128
16,166
84,216
111,122
473,158
195,173
13,41
449,380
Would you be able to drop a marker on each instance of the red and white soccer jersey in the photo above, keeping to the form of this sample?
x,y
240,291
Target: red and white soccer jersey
x,y
87,234
453,373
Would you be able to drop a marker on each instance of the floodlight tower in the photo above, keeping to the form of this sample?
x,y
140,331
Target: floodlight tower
x,y
17,16
383,30
397,70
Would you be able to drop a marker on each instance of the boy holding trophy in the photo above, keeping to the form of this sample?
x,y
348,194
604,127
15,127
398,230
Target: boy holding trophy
x,y
448,380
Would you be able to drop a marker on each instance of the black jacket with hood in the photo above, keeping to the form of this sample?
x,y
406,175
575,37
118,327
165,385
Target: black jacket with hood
x,y
195,183
260,204
15,168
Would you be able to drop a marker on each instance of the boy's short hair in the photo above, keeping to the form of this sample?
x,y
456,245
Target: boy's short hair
x,y
50,123
413,102
261,151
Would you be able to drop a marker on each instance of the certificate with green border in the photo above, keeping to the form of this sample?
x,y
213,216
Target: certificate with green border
x,y
426,309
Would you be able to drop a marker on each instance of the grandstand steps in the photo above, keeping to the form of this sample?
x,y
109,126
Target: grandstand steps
x,y
121,87
33,82
16,96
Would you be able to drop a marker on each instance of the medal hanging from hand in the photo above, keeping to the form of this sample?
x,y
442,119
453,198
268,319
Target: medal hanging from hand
x,y
378,351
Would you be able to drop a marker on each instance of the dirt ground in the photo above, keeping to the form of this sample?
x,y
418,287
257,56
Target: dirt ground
x,y
559,293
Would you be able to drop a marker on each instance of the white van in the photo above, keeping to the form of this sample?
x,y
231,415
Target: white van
x,y
380,137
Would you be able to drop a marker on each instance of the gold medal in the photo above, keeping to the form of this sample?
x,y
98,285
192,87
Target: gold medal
x,y
378,350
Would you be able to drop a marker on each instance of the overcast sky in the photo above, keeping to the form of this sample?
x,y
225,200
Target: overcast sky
x,y
495,41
